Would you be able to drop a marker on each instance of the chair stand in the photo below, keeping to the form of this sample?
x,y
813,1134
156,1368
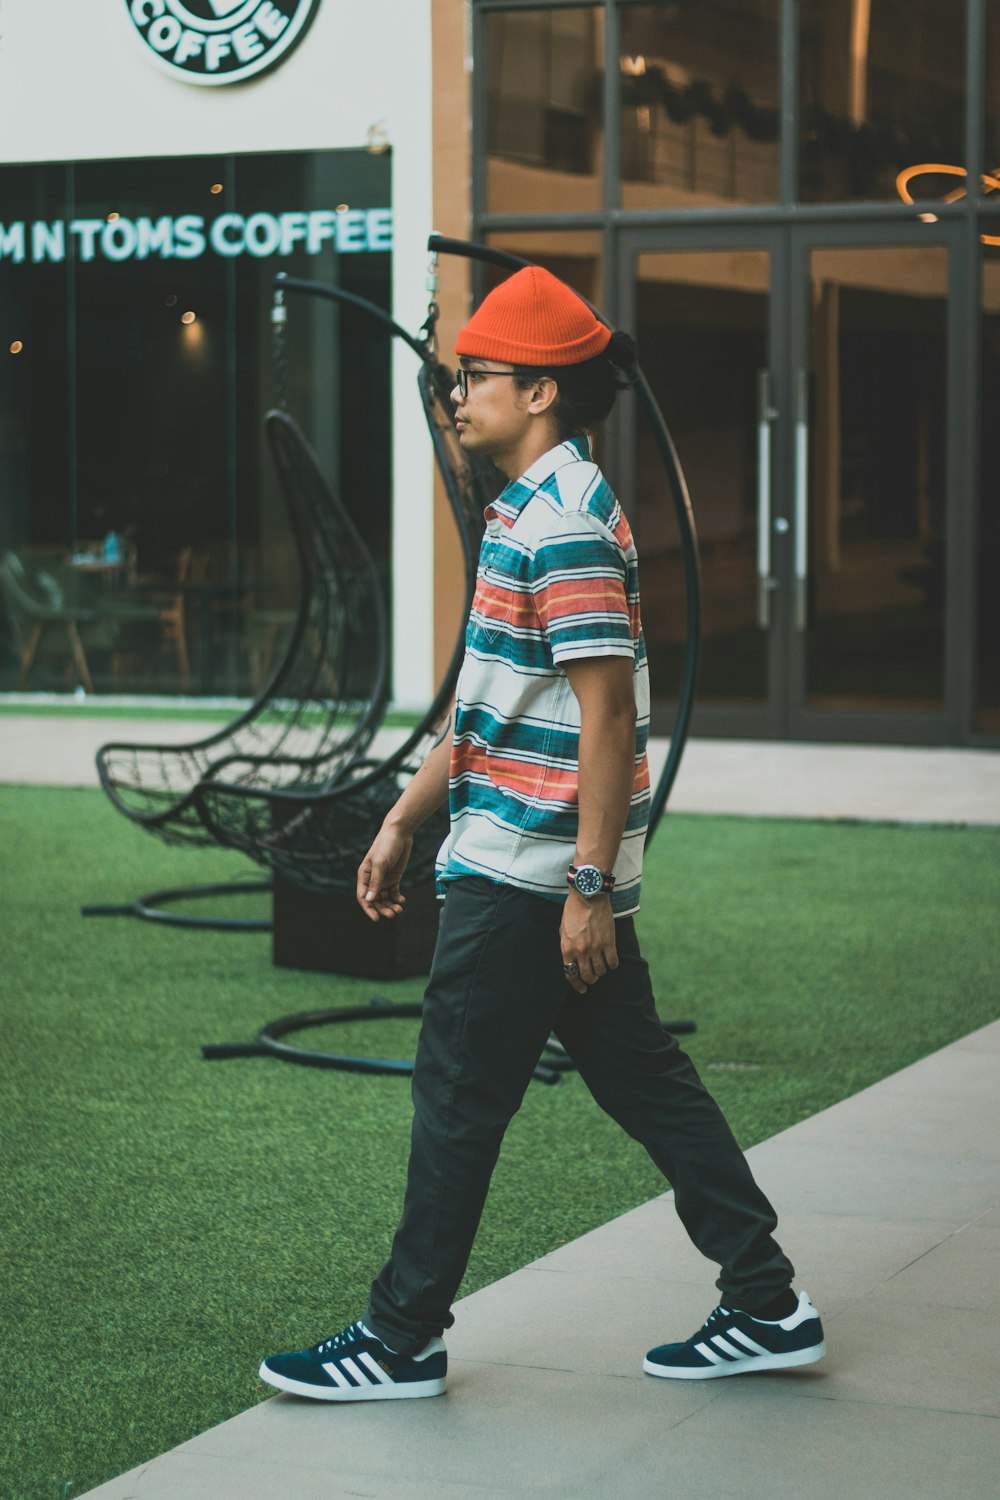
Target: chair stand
x,y
268,1043
150,908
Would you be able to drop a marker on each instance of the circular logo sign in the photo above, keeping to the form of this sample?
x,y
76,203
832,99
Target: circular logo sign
x,y
220,41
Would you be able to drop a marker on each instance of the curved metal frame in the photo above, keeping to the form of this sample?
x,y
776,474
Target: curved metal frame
x,y
268,1043
155,819
149,907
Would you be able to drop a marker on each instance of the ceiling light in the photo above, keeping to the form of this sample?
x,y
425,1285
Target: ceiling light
x,y
189,318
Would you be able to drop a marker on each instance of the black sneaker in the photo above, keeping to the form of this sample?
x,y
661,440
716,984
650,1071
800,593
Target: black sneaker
x,y
733,1343
356,1366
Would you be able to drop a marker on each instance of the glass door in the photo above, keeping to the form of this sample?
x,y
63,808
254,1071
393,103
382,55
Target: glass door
x,y
810,378
871,379
703,311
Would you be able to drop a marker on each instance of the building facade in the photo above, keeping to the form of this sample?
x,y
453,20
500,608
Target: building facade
x,y
794,205
161,161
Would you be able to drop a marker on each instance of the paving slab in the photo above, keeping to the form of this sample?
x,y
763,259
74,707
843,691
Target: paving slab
x,y
760,1441
901,784
747,777
899,1246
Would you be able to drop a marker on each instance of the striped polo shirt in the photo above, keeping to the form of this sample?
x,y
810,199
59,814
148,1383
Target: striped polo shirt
x,y
557,582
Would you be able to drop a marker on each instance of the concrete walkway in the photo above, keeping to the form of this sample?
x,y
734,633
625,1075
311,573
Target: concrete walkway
x,y
890,1205
717,776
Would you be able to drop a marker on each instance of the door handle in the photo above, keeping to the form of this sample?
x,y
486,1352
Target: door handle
x,y
801,498
766,414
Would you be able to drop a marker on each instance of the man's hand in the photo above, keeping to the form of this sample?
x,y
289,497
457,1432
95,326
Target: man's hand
x,y
587,939
381,871
382,867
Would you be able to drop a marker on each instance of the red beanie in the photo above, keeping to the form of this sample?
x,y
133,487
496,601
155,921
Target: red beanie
x,y
533,318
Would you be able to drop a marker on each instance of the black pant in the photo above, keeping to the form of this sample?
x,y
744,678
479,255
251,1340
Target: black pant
x,y
495,993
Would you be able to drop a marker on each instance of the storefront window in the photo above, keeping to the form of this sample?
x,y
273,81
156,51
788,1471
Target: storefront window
x,y
992,163
883,94
137,485
878,485
987,720
574,255
699,89
987,717
543,127
35,432
703,319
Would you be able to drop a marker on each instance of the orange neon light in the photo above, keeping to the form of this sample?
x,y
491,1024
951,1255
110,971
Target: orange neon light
x,y
941,169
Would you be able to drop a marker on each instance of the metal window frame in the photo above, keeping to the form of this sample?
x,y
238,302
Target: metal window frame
x,y
616,224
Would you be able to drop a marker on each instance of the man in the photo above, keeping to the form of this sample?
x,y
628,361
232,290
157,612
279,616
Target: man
x,y
544,765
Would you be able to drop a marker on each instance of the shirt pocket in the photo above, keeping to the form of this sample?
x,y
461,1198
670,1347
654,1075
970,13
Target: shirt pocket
x,y
493,602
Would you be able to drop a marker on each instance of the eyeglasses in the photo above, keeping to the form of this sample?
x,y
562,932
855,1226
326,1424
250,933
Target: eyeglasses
x,y
462,377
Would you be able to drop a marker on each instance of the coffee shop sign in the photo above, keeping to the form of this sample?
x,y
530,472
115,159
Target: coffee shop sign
x,y
220,41
187,236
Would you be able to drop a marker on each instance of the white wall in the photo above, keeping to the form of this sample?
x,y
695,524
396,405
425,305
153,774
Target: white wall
x,y
76,82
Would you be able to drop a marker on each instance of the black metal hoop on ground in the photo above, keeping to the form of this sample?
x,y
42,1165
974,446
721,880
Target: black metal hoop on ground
x,y
268,1043
151,908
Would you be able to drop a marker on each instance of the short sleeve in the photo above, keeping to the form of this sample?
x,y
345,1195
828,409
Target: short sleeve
x,y
579,587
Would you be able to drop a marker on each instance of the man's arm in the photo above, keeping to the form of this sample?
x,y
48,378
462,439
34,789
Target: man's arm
x,y
606,777
382,867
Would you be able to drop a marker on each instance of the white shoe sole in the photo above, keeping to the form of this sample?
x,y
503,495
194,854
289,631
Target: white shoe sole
x,y
738,1366
405,1390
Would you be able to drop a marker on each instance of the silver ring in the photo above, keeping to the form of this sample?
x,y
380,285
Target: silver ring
x,y
570,969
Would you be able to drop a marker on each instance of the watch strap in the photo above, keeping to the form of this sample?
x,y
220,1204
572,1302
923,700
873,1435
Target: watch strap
x,y
606,875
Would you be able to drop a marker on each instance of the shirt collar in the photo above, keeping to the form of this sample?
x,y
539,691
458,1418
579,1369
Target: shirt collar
x,y
514,496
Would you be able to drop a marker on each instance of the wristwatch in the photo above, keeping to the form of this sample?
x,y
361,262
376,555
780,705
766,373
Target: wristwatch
x,y
590,881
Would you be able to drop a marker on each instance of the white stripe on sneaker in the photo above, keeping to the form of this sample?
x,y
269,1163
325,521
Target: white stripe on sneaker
x,y
727,1347
710,1354
357,1375
744,1338
370,1363
335,1375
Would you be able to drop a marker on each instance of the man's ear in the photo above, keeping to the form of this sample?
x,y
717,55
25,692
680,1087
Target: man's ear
x,y
543,395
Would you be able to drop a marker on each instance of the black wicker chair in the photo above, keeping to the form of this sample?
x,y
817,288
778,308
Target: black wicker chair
x,y
315,835
323,703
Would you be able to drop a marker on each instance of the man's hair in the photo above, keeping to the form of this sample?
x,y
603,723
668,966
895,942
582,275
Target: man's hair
x,y
587,391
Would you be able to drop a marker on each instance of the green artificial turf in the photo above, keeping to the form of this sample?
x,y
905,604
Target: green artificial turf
x,y
168,1221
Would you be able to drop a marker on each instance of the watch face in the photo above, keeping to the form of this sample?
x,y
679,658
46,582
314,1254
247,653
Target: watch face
x,y
589,881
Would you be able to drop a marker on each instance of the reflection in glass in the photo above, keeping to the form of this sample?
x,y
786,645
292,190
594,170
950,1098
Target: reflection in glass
x,y
572,255
139,501
883,90
877,478
36,490
699,86
992,142
987,720
543,134
702,327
